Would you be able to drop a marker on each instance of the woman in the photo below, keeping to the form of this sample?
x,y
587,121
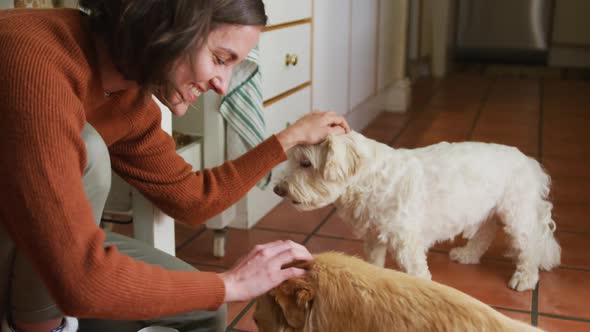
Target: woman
x,y
75,94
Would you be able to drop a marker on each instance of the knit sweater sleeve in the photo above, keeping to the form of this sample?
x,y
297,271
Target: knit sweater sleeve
x,y
46,212
147,159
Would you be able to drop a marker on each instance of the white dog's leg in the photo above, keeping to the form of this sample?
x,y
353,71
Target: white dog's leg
x,y
477,245
522,230
411,257
524,278
375,250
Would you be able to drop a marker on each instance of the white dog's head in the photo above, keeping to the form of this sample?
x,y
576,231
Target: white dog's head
x,y
318,174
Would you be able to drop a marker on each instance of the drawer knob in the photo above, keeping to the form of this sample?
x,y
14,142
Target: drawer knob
x,y
291,59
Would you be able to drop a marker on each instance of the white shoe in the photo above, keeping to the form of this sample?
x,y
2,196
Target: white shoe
x,y
71,324
158,329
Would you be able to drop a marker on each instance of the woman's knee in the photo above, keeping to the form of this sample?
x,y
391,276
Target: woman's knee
x,y
98,165
97,174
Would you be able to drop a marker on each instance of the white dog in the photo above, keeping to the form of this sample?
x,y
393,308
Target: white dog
x,y
406,200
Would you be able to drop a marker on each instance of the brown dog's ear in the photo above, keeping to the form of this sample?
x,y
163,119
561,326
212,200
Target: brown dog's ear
x,y
341,158
294,296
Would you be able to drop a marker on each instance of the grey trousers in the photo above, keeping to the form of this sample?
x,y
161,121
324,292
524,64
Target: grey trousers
x,y
24,296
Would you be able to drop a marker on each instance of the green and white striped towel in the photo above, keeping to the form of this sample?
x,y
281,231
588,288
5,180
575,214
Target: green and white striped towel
x,y
242,108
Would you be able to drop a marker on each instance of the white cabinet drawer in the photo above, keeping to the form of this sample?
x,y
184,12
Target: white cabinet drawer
x,y
278,114
275,46
287,110
283,11
192,154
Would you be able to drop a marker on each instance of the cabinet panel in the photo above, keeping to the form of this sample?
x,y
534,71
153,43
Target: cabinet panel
x,y
571,24
363,58
275,46
331,59
286,110
283,11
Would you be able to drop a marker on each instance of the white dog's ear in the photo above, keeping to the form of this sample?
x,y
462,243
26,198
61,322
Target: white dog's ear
x,y
341,158
294,296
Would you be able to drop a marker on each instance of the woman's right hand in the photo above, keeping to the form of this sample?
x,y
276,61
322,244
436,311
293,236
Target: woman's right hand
x,y
261,270
313,128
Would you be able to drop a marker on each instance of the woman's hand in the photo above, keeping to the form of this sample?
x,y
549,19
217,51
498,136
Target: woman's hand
x,y
261,270
313,128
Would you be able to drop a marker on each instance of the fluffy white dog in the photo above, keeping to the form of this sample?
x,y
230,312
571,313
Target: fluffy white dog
x,y
406,200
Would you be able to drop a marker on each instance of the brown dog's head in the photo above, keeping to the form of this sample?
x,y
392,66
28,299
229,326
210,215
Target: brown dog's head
x,y
285,308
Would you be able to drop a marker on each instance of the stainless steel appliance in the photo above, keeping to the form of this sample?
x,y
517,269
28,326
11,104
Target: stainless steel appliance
x,y
514,31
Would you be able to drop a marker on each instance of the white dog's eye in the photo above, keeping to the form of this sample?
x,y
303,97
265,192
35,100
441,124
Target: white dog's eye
x,y
305,163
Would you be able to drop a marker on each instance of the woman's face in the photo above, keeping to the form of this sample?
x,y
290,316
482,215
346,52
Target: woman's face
x,y
210,67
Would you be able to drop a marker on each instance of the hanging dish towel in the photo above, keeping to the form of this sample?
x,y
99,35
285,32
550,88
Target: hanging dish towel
x,y
242,109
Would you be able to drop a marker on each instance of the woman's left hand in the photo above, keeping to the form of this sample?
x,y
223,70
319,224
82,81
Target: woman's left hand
x,y
313,128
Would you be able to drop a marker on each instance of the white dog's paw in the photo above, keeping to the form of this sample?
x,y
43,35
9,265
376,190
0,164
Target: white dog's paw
x,y
464,256
523,280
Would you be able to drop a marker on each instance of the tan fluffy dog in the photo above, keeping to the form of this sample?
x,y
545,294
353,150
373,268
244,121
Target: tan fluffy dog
x,y
343,293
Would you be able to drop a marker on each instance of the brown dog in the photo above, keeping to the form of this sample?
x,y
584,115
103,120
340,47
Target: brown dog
x,y
343,293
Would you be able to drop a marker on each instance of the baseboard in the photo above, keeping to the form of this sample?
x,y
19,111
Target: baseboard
x,y
570,57
394,98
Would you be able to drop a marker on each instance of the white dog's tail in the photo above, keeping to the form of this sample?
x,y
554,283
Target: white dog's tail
x,y
549,248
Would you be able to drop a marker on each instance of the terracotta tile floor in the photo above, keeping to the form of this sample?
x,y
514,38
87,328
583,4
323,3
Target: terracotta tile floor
x,y
549,119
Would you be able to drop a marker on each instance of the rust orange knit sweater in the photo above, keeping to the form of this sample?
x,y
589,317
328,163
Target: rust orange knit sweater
x,y
49,88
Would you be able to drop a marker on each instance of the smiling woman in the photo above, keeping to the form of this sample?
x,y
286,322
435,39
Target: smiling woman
x,y
152,42
91,73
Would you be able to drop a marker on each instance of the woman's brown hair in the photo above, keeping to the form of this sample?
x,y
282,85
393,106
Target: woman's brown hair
x,y
146,37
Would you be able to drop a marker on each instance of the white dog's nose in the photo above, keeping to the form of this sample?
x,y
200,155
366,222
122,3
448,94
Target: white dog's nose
x,y
279,191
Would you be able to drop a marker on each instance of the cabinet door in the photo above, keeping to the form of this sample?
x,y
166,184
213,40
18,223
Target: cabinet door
x,y
283,11
331,59
571,24
363,51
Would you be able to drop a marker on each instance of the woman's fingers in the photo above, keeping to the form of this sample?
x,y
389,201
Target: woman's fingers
x,y
257,250
336,130
262,269
288,256
333,119
277,247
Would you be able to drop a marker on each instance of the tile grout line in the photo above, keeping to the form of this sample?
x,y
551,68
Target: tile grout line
x,y
573,268
575,319
535,297
249,305
208,265
334,237
415,115
535,306
239,316
191,238
583,233
402,129
482,103
317,228
510,309
268,229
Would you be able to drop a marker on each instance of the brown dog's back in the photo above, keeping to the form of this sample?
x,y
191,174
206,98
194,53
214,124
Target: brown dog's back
x,y
344,293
